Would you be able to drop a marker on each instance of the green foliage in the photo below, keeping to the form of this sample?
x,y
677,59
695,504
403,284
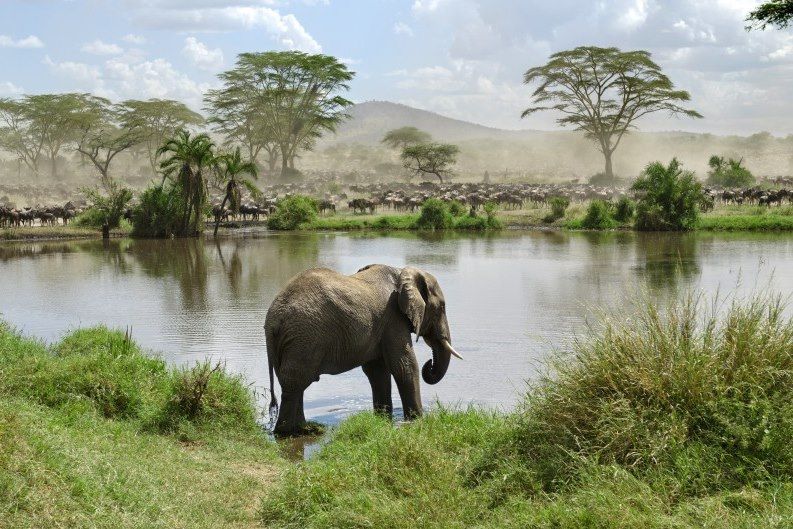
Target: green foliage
x,y
598,216
292,212
767,221
624,209
457,208
558,207
430,159
728,173
159,213
434,216
106,208
670,198
776,13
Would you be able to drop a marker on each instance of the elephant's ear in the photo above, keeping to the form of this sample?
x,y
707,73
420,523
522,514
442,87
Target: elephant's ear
x,y
412,289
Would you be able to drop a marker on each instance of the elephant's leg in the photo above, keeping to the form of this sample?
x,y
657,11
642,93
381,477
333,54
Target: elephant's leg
x,y
380,379
405,370
291,420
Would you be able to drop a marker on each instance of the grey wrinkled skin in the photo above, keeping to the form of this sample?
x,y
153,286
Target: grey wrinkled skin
x,y
324,322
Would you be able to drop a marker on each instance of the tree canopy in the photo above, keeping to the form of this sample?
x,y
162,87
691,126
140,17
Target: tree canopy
x,y
405,136
430,159
603,91
776,13
288,98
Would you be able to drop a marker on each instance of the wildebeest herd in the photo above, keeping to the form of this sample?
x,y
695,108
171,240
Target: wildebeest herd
x,y
43,215
405,197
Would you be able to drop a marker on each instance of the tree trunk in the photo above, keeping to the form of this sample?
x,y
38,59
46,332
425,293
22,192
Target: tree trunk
x,y
609,171
53,167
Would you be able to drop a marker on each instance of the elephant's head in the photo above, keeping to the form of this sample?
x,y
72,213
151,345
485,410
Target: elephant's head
x,y
421,299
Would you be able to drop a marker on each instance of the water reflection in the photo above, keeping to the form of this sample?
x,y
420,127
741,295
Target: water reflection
x,y
512,297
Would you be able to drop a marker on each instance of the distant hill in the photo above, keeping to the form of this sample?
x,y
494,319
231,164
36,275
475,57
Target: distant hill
x,y
372,119
533,153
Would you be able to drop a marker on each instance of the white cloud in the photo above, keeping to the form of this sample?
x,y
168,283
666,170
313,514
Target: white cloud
x,y
99,47
132,38
400,28
285,29
31,41
7,88
201,56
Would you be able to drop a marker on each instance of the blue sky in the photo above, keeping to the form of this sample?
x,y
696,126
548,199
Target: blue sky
x,y
462,58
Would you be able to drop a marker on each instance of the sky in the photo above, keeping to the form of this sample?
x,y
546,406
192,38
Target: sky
x,y
461,58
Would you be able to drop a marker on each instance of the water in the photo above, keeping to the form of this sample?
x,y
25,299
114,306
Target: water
x,y
512,298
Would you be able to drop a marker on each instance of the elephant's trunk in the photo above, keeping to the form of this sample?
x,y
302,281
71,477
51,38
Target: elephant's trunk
x,y
434,370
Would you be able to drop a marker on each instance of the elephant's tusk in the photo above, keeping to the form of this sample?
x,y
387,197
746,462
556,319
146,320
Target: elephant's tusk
x,y
451,350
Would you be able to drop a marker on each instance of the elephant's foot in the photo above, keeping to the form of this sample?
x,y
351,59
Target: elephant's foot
x,y
307,428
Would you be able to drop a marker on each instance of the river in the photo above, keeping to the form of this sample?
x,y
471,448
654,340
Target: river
x,y
512,298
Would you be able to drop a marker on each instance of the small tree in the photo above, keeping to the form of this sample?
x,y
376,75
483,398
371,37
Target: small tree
x,y
230,168
728,173
430,158
670,198
776,13
187,158
293,211
405,137
603,91
107,208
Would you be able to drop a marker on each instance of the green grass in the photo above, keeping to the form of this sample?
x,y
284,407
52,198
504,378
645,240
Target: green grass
x,y
765,222
673,419
395,222
95,434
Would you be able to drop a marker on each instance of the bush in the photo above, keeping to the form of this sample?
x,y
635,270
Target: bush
x,y
624,209
434,216
670,198
293,211
691,403
457,208
558,207
158,213
728,173
106,208
205,396
598,216
601,179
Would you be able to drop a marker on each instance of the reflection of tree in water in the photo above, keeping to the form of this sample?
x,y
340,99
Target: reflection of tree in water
x,y
183,259
111,252
664,259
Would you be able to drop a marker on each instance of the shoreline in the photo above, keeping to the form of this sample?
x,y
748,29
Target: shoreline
x,y
723,222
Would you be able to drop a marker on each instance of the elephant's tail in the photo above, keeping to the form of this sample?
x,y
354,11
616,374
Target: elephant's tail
x,y
270,341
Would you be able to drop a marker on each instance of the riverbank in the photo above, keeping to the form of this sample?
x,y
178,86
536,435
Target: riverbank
x,y
723,218
680,419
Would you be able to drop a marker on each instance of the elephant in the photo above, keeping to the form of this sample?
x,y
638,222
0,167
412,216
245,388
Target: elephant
x,y
324,322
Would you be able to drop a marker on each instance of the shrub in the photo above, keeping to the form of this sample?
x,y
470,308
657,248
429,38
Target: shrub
x,y
691,400
158,213
293,211
205,395
601,179
434,216
728,173
106,208
670,198
598,216
558,207
457,208
624,209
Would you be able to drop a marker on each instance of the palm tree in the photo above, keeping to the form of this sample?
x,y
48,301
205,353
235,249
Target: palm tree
x,y
229,170
189,156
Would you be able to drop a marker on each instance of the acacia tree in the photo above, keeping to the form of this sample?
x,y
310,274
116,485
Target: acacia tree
x,y
155,120
430,158
603,91
234,114
296,95
101,134
776,13
405,136
17,135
